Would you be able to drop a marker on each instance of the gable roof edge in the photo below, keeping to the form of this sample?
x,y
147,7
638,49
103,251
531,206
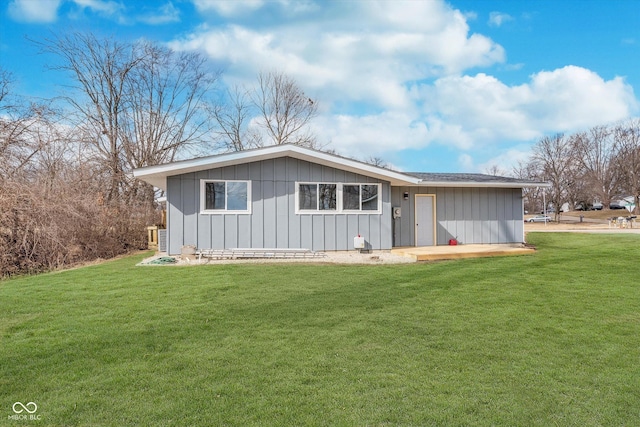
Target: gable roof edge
x,y
157,174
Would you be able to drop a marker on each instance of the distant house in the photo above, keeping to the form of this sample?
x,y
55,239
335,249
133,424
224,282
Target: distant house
x,y
287,196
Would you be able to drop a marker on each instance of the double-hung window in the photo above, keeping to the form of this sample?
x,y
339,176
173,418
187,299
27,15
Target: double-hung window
x,y
330,198
220,196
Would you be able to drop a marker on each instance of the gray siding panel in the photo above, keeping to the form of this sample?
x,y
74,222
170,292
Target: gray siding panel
x,y
485,224
317,233
267,170
280,169
217,231
269,211
294,220
230,231
375,231
190,194
341,233
467,215
282,213
476,237
330,231
244,232
316,172
384,228
352,230
174,215
306,231
257,213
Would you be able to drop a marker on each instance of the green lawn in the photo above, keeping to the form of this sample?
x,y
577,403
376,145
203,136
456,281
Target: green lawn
x,y
540,340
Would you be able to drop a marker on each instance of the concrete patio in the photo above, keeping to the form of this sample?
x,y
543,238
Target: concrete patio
x,y
435,253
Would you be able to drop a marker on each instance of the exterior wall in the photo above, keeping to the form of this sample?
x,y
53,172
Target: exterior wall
x,y
470,215
273,222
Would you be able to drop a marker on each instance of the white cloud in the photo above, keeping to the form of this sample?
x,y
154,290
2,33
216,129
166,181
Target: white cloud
x,y
101,6
514,67
34,10
465,161
496,19
506,161
563,100
401,42
165,14
228,8
572,98
371,135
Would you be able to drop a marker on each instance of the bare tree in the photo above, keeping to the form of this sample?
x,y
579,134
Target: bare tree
x,y
136,104
595,152
533,196
99,69
554,158
376,161
233,120
627,140
21,128
495,170
166,103
285,110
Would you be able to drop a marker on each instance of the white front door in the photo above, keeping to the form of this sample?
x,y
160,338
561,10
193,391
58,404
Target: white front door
x,y
425,220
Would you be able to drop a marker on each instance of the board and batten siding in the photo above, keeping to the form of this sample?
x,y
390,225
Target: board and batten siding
x,y
273,222
469,215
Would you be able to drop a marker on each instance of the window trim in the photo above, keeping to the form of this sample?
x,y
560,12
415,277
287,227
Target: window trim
x,y
203,186
339,199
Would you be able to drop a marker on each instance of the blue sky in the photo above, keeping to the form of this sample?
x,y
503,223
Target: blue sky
x,y
435,86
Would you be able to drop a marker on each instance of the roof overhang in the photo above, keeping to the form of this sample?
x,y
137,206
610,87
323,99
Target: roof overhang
x,y
157,175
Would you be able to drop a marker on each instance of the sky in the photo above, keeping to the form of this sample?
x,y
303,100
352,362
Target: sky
x,y
429,86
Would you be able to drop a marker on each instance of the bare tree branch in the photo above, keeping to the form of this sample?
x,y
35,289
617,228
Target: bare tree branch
x,y
285,109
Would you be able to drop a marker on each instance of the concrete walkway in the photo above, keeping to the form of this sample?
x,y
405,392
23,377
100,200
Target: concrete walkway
x,y
434,253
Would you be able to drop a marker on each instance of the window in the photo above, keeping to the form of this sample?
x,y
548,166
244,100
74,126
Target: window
x,y
225,196
317,197
360,197
337,198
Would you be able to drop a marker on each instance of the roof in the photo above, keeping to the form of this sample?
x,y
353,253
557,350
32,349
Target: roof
x,y
157,175
473,180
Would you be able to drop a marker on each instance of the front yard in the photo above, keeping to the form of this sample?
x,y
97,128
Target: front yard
x,y
546,339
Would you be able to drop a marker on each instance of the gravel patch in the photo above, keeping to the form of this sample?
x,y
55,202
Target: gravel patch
x,y
333,257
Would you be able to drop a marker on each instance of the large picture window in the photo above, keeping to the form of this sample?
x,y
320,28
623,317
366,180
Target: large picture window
x,y
225,196
337,198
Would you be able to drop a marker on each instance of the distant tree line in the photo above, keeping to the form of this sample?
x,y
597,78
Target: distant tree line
x,y
601,164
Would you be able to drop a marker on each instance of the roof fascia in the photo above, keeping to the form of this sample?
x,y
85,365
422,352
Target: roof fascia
x,y
495,184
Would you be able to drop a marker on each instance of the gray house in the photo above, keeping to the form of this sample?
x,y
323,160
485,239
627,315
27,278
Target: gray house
x,y
288,196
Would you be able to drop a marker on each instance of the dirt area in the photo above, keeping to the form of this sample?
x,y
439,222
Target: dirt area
x,y
592,221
